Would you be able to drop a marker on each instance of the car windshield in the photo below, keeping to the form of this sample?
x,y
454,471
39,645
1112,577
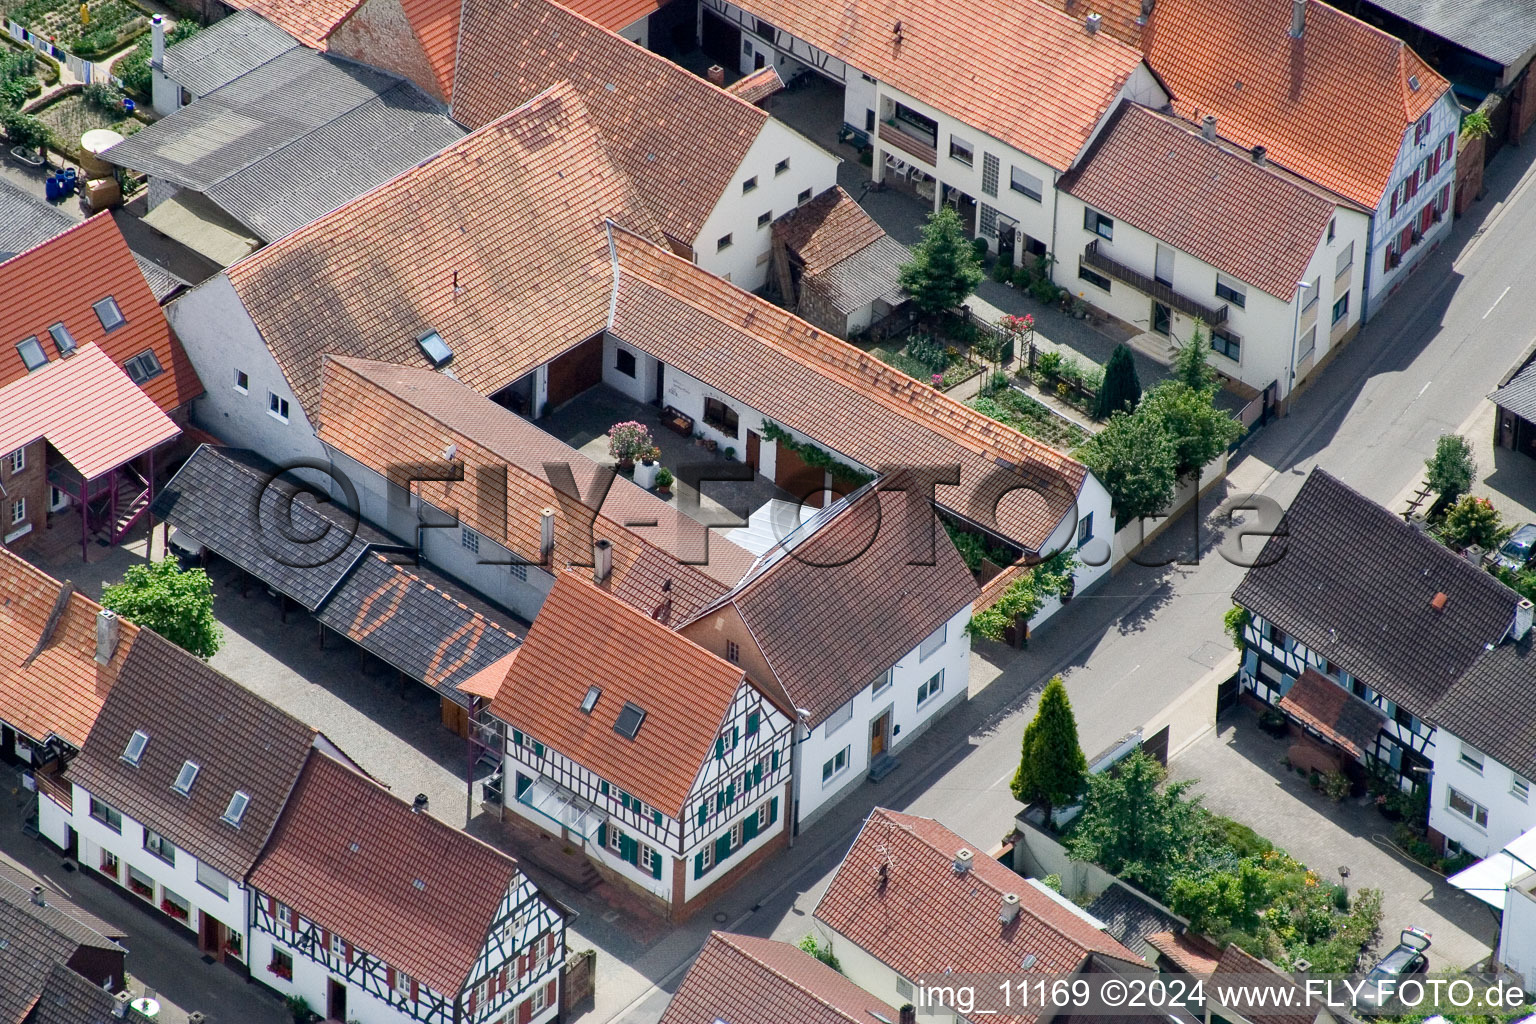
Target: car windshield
x,y
1394,962
1519,545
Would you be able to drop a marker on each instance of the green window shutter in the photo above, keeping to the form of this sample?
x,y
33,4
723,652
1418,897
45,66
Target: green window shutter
x,y
517,738
538,749
623,799
773,810
719,801
602,787
602,835
628,849
754,720
749,829
735,736
730,793
719,748
655,863
703,812
698,864
656,817
722,848
775,760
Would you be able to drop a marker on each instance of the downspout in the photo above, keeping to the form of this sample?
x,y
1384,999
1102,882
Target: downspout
x,y
793,822
1055,203
1365,279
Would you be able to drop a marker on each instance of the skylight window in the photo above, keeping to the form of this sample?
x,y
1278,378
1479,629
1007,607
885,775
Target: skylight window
x,y
435,349
590,700
62,339
133,753
186,777
32,354
236,809
109,314
629,720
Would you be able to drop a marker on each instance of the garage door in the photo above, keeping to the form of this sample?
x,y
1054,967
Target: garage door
x,y
573,372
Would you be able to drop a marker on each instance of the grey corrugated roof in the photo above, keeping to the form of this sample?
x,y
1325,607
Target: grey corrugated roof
x,y
26,221
874,272
292,139
1519,395
1130,917
1504,31
224,51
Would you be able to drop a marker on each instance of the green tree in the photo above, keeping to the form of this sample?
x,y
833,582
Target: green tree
x,y
176,604
1135,459
1121,389
1235,622
1192,363
1474,520
1137,828
1451,469
811,947
1200,432
1052,768
944,269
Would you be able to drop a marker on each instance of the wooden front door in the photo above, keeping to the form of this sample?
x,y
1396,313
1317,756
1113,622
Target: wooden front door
x,y
754,448
335,999
880,734
210,936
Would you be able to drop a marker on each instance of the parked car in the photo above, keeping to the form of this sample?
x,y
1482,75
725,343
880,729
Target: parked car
x,y
1515,552
1403,960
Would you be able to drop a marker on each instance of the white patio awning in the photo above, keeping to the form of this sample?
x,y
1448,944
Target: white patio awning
x,y
563,807
1490,878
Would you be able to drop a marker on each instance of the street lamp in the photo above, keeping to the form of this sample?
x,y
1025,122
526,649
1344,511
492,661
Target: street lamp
x,y
1290,384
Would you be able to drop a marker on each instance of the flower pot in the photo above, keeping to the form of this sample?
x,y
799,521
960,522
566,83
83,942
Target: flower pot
x,y
711,443
664,491
645,473
626,465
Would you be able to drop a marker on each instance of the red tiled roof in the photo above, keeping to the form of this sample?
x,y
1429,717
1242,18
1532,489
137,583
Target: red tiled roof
x,y
59,280
1339,715
436,26
308,21
923,918
1236,59
348,855
583,637
1237,967
827,230
88,410
1183,952
614,15
524,245
747,979
679,138
62,688
844,398
757,86
487,682
1160,175
1024,72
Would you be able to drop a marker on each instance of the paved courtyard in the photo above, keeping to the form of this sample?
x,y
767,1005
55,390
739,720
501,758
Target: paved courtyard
x,y
1241,777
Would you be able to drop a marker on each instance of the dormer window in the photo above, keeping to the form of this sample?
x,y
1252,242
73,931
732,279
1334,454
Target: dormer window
x,y
133,753
186,777
236,809
109,314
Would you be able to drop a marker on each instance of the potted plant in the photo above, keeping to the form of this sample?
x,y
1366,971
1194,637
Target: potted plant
x,y
710,444
663,481
648,468
730,451
627,441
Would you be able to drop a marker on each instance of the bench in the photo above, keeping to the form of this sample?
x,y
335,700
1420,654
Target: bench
x,y
677,422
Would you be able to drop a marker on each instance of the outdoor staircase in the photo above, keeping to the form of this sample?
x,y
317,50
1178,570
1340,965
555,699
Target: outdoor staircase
x,y
882,766
128,516
128,494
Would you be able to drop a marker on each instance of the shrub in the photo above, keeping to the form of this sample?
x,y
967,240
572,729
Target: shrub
x,y
1052,882
1476,126
823,953
979,247
1235,622
1335,786
1001,272
1473,520
104,96
929,352
24,130
1049,364
664,477
629,440
1451,469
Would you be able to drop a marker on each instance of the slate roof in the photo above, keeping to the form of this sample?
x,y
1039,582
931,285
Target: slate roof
x,y
1130,918
291,140
1518,394
69,998
924,918
310,21
744,978
61,278
1291,90
833,610
1504,31
162,282
678,137
26,221
1503,678
60,688
797,375
583,638
1354,583
532,267
57,912
1341,717
225,50
191,712
1023,73
1159,174
348,855
31,950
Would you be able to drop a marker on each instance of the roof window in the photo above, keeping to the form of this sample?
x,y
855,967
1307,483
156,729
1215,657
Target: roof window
x,y
143,366
62,340
435,349
109,314
186,777
133,753
236,809
590,700
629,720
32,354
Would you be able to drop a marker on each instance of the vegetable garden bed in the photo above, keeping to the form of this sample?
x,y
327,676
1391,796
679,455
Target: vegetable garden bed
x,y
1013,408
112,24
69,116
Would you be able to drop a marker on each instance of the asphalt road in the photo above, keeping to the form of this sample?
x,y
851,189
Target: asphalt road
x,y
1421,368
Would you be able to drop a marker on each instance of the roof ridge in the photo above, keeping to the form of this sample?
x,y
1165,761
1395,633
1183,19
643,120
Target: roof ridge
x,y
727,937
650,623
79,226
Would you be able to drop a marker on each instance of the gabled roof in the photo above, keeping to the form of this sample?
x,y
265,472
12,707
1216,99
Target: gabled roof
x,y
678,137
1160,175
1473,710
27,221
1237,967
1236,59
376,413
425,53
225,50
744,978
757,86
842,397
60,688
191,712
33,949
291,140
922,917
87,408
508,284
827,230
46,285
583,638
71,998
399,884
1337,714
1354,583
309,21
832,610
1023,73
56,911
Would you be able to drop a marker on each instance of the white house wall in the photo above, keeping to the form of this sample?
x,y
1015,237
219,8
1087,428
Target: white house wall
x,y
745,262
1517,936
53,820
1493,787
1445,118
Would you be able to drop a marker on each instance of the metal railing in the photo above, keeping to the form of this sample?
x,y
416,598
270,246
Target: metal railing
x,y
1159,291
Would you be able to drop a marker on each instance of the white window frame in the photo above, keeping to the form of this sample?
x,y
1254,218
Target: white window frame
x,y
338,946
1230,289
962,152
1314,292
930,688
933,642
1452,795
285,915
213,880
1033,187
1472,759
1519,788
402,983
1096,223
832,769
242,382
882,682
18,511
724,242
19,460
1308,343
750,185
836,720
1346,259
277,407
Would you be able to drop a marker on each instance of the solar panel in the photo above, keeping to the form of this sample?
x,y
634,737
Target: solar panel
x,y
629,720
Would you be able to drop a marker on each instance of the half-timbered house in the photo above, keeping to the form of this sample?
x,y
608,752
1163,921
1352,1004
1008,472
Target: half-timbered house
x,y
661,760
372,910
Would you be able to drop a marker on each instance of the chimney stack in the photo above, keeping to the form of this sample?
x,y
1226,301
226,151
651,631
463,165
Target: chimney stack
x,y
1010,908
602,560
157,43
1146,12
1258,155
1522,624
1298,17
1439,600
420,804
196,1017
1091,23
107,630
716,75
546,536
1208,127
908,1014
38,896
963,860
120,1005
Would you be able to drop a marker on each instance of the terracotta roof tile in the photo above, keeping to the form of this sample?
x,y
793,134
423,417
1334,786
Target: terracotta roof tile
x,y
678,137
87,408
582,638
436,25
827,230
1236,59
61,689
1160,175
382,414
1237,966
744,978
59,280
308,21
531,265
924,918
1185,953
191,712
614,15
757,86
798,375
1339,715
1024,73
348,855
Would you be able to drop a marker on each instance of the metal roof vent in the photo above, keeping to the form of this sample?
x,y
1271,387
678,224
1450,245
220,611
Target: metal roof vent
x,y
435,349
1258,153
964,858
420,803
1091,23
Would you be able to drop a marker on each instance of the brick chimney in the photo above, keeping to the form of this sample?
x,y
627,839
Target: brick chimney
x,y
716,75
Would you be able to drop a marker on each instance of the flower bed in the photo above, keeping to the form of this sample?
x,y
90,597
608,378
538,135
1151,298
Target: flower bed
x,y
1029,417
1067,378
928,359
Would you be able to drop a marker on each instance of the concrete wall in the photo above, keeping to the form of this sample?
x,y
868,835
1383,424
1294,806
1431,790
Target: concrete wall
x,y
1036,854
642,386
1517,936
1508,815
1135,536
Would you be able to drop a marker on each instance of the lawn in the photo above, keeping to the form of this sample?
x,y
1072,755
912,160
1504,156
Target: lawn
x,y
1031,418
112,23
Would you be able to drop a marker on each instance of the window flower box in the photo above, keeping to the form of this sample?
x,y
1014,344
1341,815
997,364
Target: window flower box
x,y
178,912
138,888
281,970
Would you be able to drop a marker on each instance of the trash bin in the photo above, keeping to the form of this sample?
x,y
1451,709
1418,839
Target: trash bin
x,y
51,188
70,181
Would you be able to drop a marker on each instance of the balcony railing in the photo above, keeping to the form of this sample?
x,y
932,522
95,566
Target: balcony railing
x,y
910,145
1159,291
